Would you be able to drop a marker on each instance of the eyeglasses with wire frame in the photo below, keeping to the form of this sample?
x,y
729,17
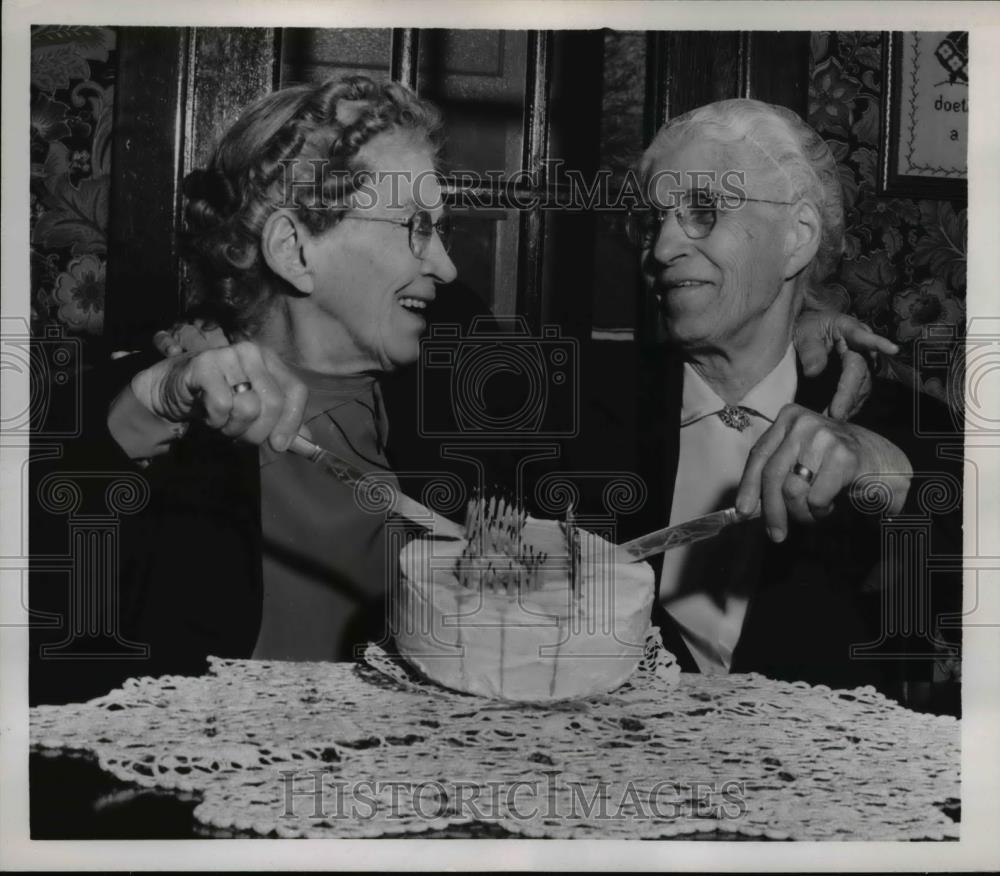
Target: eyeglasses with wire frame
x,y
421,229
697,213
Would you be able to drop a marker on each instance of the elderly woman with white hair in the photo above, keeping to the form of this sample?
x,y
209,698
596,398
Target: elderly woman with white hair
x,y
732,280
319,238
744,223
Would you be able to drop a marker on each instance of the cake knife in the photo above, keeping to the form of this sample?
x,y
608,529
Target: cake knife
x,y
637,549
681,534
402,504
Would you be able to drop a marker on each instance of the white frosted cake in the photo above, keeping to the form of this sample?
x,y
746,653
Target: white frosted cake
x,y
543,628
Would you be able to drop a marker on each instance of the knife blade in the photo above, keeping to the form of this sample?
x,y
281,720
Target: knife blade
x,y
681,534
402,504
637,549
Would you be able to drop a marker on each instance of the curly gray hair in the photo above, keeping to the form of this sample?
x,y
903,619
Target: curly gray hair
x,y
797,151
248,178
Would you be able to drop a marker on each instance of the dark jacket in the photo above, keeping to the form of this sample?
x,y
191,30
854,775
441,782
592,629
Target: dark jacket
x,y
187,571
821,590
183,569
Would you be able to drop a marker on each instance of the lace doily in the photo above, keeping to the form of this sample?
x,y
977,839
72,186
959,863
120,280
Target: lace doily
x,y
657,664
341,750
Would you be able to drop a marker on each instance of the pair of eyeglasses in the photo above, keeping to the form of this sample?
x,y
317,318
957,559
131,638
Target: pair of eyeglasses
x,y
697,213
421,228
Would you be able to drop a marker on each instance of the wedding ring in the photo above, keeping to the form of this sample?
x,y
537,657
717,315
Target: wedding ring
x,y
245,386
807,474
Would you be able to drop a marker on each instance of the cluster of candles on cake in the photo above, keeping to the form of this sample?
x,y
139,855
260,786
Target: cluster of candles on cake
x,y
496,556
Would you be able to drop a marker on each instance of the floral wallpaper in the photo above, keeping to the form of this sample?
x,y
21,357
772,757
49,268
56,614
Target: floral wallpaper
x,y
72,100
904,267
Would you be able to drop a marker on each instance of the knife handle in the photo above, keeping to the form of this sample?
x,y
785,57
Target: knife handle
x,y
302,446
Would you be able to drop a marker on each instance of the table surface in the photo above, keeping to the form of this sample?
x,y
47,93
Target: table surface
x,y
72,798
211,756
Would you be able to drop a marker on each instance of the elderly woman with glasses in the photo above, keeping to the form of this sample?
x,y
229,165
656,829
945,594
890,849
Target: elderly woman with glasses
x,y
743,223
317,293
317,241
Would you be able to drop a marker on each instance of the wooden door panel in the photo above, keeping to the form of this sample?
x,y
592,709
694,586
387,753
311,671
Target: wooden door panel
x,y
546,93
145,188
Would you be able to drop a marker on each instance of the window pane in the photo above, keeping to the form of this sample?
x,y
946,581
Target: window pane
x,y
484,249
477,79
616,265
623,99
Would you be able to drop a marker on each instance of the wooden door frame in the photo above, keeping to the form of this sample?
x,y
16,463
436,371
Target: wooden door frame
x,y
177,92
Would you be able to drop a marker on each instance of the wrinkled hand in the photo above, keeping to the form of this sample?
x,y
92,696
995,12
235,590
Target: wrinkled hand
x,y
837,453
190,337
817,332
199,386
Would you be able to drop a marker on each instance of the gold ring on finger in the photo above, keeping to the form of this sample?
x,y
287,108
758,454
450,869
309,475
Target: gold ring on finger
x,y
807,474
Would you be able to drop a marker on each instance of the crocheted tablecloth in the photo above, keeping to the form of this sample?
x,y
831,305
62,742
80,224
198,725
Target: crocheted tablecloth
x,y
363,750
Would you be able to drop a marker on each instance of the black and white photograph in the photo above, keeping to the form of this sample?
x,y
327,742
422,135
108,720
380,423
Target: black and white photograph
x,y
559,421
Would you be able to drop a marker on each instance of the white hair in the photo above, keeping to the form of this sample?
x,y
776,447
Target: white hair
x,y
797,151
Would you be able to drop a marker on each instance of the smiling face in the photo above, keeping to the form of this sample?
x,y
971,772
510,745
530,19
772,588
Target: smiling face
x,y
729,287
370,290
